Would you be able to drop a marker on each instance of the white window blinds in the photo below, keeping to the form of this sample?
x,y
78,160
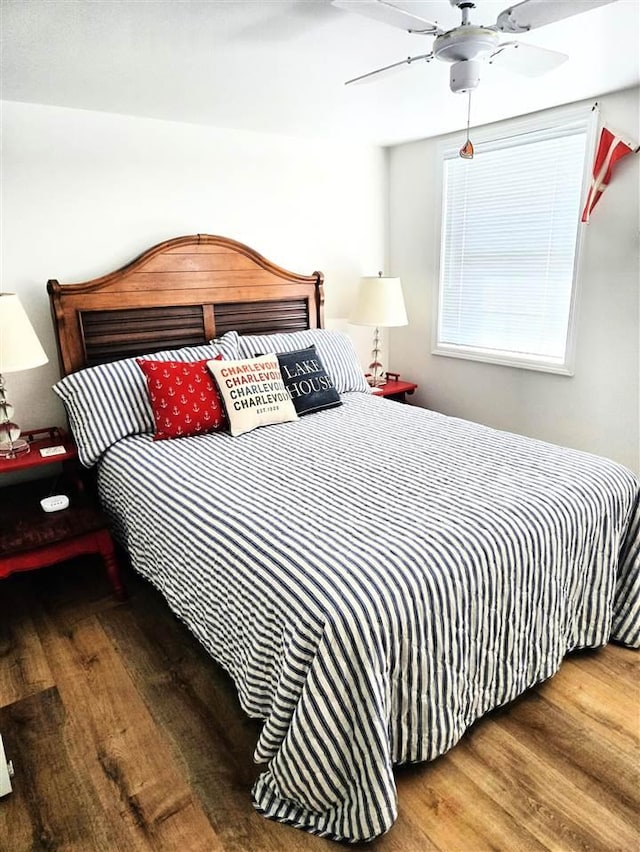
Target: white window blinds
x,y
510,222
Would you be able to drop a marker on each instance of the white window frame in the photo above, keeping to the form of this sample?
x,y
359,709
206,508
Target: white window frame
x,y
486,139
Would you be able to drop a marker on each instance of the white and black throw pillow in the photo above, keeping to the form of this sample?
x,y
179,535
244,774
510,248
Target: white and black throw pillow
x,y
254,393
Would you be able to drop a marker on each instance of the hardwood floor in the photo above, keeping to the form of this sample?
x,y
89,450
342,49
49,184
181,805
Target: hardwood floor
x,y
126,736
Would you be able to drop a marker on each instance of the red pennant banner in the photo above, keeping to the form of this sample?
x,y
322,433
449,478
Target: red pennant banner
x,y
611,150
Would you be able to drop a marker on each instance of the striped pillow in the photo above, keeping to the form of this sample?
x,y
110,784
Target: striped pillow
x,y
335,349
110,401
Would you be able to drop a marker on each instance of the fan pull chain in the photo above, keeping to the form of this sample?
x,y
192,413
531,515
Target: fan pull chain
x,y
466,152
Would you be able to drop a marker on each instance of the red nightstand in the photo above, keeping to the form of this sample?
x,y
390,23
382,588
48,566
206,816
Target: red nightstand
x,y
394,388
32,538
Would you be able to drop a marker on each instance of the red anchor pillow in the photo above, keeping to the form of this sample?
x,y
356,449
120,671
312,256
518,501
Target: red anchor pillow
x,y
183,396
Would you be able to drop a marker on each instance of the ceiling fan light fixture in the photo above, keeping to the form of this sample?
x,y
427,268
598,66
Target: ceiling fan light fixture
x,y
465,76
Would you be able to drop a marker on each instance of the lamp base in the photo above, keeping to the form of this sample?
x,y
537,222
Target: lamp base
x,y
13,449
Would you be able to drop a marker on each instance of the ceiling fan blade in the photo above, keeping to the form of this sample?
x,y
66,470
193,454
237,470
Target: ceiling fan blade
x,y
383,72
536,13
527,59
389,13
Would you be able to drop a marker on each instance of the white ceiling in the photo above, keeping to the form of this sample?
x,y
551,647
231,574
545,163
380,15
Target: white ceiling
x,y
279,65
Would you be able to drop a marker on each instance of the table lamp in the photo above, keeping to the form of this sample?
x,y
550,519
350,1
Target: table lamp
x,y
380,303
20,349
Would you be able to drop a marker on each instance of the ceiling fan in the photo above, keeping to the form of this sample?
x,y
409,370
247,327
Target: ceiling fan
x,y
468,45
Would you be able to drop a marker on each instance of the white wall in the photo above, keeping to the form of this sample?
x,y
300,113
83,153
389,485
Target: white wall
x,y
595,410
85,192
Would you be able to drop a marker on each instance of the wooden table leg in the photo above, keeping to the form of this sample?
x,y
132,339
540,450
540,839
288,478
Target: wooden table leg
x,y
108,553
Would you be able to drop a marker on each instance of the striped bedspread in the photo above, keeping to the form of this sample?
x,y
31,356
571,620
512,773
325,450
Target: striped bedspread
x,y
375,577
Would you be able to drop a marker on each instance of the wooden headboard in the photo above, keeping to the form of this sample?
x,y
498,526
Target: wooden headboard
x,y
182,292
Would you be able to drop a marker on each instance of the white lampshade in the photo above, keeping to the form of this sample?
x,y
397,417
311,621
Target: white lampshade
x,y
380,302
20,348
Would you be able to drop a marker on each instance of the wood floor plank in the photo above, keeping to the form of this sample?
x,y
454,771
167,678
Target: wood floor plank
x,y
587,697
456,814
52,806
75,589
24,669
406,835
128,756
536,793
623,662
610,775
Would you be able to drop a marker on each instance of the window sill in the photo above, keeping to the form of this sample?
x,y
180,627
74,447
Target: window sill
x,y
488,356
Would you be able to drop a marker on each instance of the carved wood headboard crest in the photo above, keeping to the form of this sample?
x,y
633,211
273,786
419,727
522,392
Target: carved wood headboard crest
x,y
181,292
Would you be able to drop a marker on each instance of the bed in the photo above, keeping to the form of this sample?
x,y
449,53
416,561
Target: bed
x,y
367,618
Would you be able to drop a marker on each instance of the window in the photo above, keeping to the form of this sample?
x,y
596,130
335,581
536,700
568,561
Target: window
x,y
509,243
